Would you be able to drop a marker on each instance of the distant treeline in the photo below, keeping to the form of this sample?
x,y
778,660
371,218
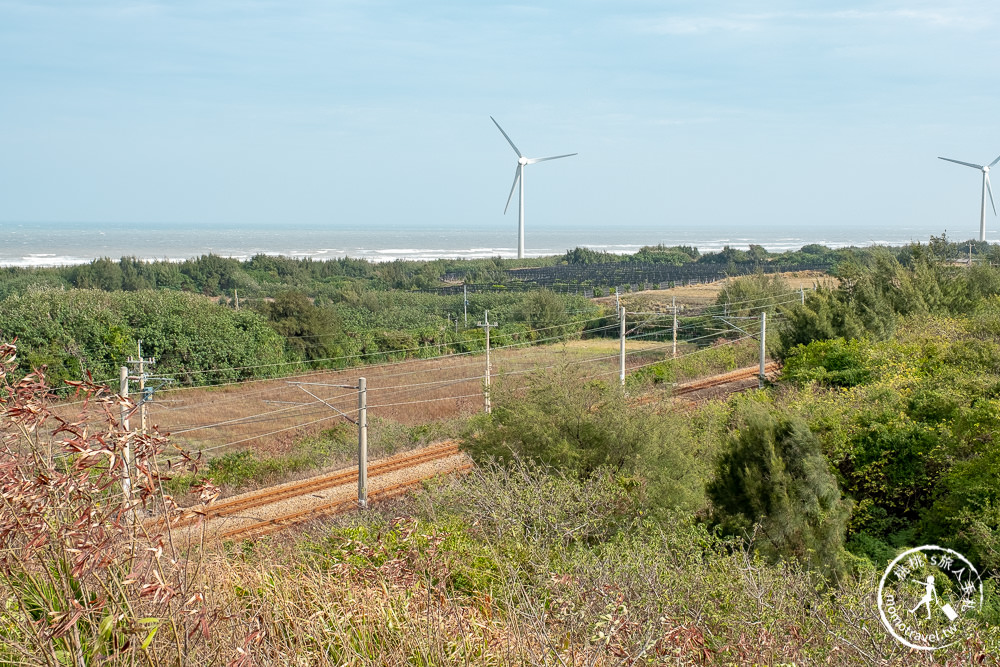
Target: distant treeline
x,y
198,340
294,314
267,276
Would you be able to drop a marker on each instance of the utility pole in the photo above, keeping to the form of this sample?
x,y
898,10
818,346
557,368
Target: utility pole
x,y
486,392
621,345
127,450
236,293
465,304
673,306
362,423
362,443
763,335
141,377
802,294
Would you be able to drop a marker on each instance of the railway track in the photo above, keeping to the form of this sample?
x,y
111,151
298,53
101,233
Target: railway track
x,y
716,380
437,451
275,494
273,525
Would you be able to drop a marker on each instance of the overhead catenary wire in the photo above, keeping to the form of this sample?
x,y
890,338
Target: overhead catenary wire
x,y
444,383
462,396
673,359
404,350
369,367
369,354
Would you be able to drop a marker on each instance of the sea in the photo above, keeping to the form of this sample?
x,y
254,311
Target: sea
x,y
30,244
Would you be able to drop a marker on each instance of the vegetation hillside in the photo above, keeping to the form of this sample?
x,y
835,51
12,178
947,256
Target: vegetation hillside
x,y
596,528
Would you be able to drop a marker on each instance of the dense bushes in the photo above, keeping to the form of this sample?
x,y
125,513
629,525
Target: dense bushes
x,y
578,426
910,431
88,330
773,475
871,300
199,341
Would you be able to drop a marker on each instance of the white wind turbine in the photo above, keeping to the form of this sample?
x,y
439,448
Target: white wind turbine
x,y
519,178
986,189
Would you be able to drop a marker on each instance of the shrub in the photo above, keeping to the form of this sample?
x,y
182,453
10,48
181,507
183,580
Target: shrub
x,y
83,579
773,474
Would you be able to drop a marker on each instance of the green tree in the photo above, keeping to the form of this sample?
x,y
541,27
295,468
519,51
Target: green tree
x,y
311,332
544,309
773,474
749,295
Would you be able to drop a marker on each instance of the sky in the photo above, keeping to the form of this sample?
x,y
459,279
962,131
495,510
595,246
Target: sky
x,y
377,114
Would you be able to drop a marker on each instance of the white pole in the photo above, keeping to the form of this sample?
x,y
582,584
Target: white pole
x,y
465,303
127,450
621,346
674,308
362,443
487,392
802,294
520,213
763,334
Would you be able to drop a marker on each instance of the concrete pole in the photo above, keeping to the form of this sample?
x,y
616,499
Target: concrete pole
x,y
142,391
621,345
763,352
465,304
487,392
127,450
674,308
802,294
362,443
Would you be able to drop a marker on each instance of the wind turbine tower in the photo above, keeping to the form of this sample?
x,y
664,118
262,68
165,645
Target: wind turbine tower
x,y
522,162
986,190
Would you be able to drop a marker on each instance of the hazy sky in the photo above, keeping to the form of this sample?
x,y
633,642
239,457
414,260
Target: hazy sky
x,y
348,114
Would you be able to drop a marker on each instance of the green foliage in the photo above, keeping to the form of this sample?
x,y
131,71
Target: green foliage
x,y
910,430
834,363
579,427
753,294
544,310
310,332
87,330
773,474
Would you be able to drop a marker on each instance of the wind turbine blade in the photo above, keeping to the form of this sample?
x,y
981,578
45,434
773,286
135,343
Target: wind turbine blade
x,y
517,175
995,161
506,137
967,164
990,190
543,159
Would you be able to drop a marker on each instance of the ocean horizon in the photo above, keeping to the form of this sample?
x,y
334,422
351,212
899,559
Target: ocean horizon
x,y
24,244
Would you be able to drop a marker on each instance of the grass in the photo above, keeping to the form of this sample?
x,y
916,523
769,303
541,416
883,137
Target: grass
x,y
509,565
332,448
488,571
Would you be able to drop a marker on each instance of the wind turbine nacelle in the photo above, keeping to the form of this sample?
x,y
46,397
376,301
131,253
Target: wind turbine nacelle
x,y
522,161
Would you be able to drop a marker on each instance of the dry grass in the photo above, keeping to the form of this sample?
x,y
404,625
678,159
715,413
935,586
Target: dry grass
x,y
704,294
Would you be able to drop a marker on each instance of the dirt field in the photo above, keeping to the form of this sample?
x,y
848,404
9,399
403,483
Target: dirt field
x,y
706,293
272,415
